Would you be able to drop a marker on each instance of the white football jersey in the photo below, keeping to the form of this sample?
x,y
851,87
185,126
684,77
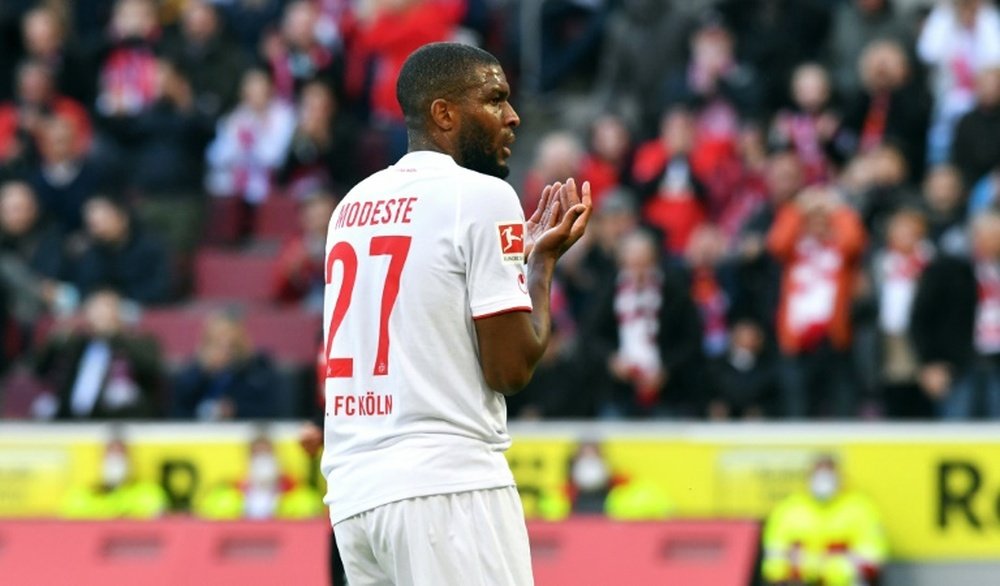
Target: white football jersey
x,y
415,253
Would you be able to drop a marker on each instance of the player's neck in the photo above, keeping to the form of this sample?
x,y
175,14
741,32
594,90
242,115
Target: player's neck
x,y
421,142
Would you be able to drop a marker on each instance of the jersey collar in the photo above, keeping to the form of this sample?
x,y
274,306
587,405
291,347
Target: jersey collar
x,y
426,159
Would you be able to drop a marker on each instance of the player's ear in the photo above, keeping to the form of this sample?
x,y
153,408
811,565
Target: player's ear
x,y
444,115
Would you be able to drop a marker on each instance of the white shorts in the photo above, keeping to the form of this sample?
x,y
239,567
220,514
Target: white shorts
x,y
472,538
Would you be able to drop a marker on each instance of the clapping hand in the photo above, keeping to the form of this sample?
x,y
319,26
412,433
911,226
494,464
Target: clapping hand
x,y
559,220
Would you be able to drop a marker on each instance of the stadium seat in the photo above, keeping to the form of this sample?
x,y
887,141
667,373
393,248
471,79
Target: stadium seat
x,y
234,276
277,218
290,335
18,390
226,219
177,330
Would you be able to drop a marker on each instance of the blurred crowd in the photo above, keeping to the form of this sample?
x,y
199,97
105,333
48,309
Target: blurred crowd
x,y
795,199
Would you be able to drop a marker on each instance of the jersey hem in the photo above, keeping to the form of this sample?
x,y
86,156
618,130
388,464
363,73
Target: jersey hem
x,y
337,516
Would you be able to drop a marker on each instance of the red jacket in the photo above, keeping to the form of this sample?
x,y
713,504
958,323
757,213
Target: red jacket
x,y
389,40
66,108
847,239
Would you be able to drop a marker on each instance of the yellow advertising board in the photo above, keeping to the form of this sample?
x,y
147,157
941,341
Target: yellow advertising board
x,y
39,464
938,487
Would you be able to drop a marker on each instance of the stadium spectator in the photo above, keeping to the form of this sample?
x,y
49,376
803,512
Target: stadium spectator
x,y
809,127
43,32
31,264
784,179
876,184
295,54
299,273
559,155
589,482
609,155
744,380
266,493
251,142
207,57
960,39
818,241
975,150
66,176
36,101
383,42
671,174
644,338
119,493
227,379
890,107
709,277
570,34
168,140
827,535
120,255
857,26
955,326
743,180
715,82
322,153
100,370
249,20
643,39
776,36
944,205
127,65
758,275
894,273
590,265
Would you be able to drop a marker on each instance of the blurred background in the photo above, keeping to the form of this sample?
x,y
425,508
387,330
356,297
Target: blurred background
x,y
777,351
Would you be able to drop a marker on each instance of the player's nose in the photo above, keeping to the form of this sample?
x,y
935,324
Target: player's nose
x,y
511,119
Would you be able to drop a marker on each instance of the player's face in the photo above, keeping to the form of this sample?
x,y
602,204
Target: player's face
x,y
488,123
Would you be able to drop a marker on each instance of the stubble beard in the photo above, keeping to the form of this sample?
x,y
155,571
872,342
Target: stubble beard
x,y
478,154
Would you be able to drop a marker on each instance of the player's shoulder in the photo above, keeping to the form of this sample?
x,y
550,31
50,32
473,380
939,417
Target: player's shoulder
x,y
486,184
485,196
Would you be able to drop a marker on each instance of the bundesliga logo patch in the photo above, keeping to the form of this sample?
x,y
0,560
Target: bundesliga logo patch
x,y
511,241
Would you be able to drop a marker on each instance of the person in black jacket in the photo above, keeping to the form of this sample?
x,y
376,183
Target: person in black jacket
x,y
891,109
975,149
208,57
955,327
226,379
31,261
167,143
643,339
101,371
120,255
744,379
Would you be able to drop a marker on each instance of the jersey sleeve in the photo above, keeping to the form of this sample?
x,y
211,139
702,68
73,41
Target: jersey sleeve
x,y
491,242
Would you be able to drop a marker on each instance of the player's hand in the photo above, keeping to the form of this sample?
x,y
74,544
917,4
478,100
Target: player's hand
x,y
533,226
311,438
564,218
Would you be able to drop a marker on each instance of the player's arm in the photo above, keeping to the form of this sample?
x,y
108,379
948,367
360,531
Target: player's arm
x,y
511,344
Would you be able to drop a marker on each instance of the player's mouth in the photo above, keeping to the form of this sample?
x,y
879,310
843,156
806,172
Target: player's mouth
x,y
506,147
